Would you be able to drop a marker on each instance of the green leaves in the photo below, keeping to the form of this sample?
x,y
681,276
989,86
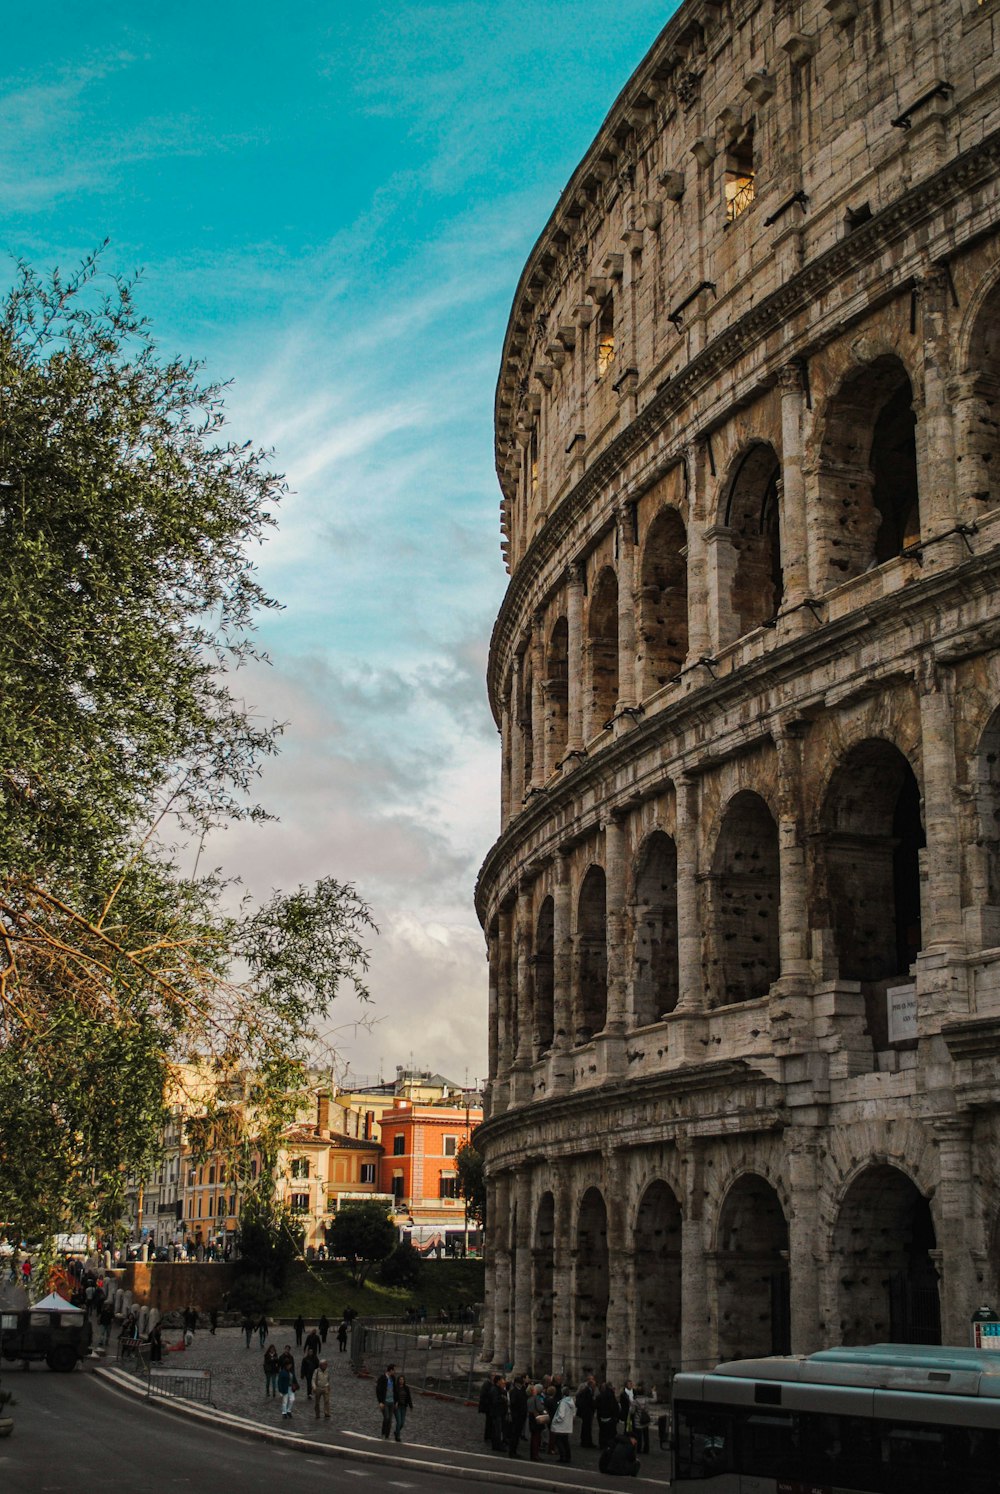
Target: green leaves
x,y
361,1234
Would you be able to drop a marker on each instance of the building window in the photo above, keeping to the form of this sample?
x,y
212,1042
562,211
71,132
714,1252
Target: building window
x,y
397,1189
192,1175
398,1145
211,1175
449,1187
253,1168
450,1146
199,1206
739,182
606,336
368,1172
300,1203
300,1167
232,1203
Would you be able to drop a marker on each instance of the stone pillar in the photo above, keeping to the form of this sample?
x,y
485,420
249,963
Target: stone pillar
x,y
942,917
489,1272
620,1256
562,1279
521,1336
804,1281
792,513
524,996
957,1221
935,428
625,544
502,1314
614,871
697,1333
505,993
574,628
974,399
793,914
493,955
699,635
537,701
691,979
517,784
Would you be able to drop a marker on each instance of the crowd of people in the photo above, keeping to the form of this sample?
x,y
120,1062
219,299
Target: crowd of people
x,y
543,1413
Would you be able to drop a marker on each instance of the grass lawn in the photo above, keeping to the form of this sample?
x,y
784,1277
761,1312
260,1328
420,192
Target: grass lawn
x,y
314,1287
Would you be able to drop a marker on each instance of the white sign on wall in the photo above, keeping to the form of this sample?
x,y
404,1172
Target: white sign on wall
x,y
901,1004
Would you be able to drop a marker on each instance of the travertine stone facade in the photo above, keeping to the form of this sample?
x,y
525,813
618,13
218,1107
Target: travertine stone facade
x,y
747,675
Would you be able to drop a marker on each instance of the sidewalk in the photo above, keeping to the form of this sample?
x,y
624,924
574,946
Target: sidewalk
x,y
434,1426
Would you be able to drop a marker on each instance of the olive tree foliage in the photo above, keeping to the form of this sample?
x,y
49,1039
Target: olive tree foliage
x,y
128,602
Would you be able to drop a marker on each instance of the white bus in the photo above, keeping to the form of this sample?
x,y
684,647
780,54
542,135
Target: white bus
x,y
884,1419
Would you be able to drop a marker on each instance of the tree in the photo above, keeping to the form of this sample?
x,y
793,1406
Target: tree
x,y
270,1239
362,1234
472,1182
128,598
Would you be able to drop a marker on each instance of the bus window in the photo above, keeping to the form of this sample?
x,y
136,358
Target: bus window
x,y
842,1450
770,1446
704,1442
914,1458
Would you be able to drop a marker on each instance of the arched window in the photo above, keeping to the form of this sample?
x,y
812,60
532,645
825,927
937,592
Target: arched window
x,y
591,956
602,642
557,694
751,515
663,603
752,1272
882,1245
655,977
869,502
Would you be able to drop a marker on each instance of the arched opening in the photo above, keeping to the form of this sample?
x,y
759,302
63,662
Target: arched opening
x,y
657,1285
663,603
872,837
602,644
744,955
655,976
557,694
592,1287
544,978
752,518
542,1268
870,508
883,1244
983,895
591,956
752,1272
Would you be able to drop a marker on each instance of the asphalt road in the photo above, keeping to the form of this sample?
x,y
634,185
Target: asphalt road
x,y
74,1435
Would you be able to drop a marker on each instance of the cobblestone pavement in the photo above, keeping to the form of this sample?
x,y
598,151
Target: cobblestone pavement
x,y
238,1387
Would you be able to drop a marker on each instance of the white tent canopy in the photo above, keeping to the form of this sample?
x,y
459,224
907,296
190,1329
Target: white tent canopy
x,y
54,1303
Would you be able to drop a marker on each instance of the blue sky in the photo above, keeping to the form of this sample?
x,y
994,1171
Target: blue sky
x,y
331,206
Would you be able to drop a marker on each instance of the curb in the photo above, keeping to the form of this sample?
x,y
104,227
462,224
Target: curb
x,y
226,1422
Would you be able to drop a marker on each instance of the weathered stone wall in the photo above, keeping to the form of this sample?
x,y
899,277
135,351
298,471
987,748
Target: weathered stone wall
x,y
747,677
172,1286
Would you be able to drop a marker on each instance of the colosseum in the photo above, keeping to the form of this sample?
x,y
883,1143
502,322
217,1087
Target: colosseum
x,y
743,915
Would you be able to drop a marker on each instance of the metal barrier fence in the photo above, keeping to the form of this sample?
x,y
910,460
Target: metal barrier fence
x,y
445,1362
173,1384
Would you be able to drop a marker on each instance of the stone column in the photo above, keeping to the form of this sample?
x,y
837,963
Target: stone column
x,y
625,543
562,1278
489,1273
505,995
574,629
521,1336
517,784
537,701
793,916
502,1314
942,917
697,1333
804,1282
792,513
974,399
691,980
935,427
699,633
957,1218
619,1260
614,871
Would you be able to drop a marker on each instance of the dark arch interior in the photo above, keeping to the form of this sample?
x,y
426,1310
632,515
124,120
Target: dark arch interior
x,y
658,1285
544,978
752,516
656,975
889,1285
592,1282
602,633
752,1266
663,602
592,955
744,954
557,692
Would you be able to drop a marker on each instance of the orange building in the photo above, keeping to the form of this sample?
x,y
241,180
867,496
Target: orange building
x,y
420,1169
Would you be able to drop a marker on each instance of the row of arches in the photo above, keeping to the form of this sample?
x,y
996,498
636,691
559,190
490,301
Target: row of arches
x,y
863,871
882,1278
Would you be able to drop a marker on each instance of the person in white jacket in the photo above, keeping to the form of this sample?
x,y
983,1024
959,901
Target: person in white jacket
x,y
562,1425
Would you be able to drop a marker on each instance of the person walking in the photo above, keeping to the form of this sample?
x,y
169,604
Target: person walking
x,y
385,1394
287,1386
300,1327
517,1399
324,1327
321,1390
538,1420
309,1366
562,1425
607,1409
213,1320
247,1326
270,1370
314,1342
342,1334
262,1328
403,1403
585,1401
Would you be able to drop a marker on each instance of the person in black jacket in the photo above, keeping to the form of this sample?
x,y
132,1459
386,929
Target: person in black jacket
x,y
385,1394
585,1398
620,1457
300,1327
485,1394
517,1398
607,1410
404,1403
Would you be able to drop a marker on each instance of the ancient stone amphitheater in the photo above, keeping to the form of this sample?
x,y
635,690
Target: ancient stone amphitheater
x,y
743,915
